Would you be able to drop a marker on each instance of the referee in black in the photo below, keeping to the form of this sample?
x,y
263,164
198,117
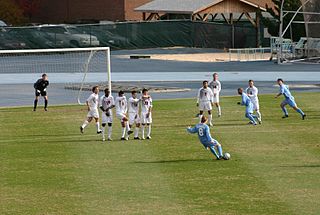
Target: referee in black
x,y
41,89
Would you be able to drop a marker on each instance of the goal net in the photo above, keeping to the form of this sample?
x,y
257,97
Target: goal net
x,y
311,9
76,69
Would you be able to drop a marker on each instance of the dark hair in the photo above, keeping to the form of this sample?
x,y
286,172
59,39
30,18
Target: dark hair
x,y
44,75
250,80
133,91
144,90
204,119
280,79
120,93
205,82
106,90
94,88
215,74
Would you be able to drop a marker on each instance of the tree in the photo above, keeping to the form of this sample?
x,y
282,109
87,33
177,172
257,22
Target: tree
x,y
296,31
29,7
11,13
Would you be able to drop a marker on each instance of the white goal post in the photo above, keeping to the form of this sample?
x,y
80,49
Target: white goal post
x,y
64,63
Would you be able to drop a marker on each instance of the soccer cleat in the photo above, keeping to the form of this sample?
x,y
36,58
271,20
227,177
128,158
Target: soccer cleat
x,y
99,132
46,109
210,124
136,138
143,138
129,132
285,116
34,109
304,116
109,139
103,139
123,138
259,120
81,129
148,137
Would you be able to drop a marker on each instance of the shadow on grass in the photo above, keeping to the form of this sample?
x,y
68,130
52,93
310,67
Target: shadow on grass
x,y
302,166
175,161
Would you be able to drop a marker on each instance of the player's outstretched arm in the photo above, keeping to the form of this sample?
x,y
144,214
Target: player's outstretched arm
x,y
192,130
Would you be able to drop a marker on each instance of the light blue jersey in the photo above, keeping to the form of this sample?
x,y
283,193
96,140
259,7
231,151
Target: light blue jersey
x,y
289,99
247,102
204,135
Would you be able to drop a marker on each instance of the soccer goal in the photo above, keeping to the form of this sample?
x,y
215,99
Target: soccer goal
x,y
74,68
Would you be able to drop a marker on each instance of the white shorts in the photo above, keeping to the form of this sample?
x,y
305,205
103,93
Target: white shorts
x,y
106,119
93,113
134,118
145,120
216,99
121,116
205,106
255,105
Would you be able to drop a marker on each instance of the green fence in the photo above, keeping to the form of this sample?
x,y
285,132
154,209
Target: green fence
x,y
130,35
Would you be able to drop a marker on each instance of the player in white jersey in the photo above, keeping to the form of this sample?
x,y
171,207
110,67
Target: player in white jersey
x,y
252,92
205,101
215,86
121,112
93,112
134,117
106,105
146,113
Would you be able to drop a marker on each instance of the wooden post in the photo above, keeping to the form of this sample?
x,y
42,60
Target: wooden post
x,y
144,16
258,29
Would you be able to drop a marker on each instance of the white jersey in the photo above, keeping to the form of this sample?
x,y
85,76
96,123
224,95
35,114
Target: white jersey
x,y
205,95
215,86
133,105
106,102
252,92
146,104
121,105
93,101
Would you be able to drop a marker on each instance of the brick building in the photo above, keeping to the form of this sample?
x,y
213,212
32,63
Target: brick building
x,y
66,11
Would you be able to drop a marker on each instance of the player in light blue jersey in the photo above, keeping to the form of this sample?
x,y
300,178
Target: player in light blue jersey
x,y
246,101
289,100
205,138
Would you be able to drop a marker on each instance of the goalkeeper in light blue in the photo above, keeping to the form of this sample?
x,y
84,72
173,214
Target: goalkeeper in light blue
x,y
205,138
289,100
246,101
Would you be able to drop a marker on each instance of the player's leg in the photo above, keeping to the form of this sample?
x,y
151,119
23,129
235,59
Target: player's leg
x,y
293,104
210,117
97,125
35,102
251,117
103,129
200,114
284,109
109,131
123,125
219,147
45,97
217,104
149,123
256,107
85,123
136,131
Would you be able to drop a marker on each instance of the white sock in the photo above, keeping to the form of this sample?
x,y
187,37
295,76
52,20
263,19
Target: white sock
x,y
127,126
123,132
219,110
98,126
259,114
200,117
142,131
85,124
149,130
103,131
136,132
109,132
209,118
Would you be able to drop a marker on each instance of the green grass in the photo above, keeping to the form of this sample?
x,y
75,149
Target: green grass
x,y
47,167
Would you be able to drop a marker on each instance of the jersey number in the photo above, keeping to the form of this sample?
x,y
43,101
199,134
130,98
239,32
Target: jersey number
x,y
201,132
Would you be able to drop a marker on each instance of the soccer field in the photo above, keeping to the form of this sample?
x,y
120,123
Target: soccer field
x,y
48,167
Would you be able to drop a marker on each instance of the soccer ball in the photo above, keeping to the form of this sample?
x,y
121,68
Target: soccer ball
x,y
226,156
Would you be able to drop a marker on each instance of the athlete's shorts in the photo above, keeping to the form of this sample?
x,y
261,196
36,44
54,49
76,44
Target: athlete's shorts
x,y
145,120
106,119
42,93
213,143
256,105
93,113
249,108
216,98
205,106
121,116
290,102
134,118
